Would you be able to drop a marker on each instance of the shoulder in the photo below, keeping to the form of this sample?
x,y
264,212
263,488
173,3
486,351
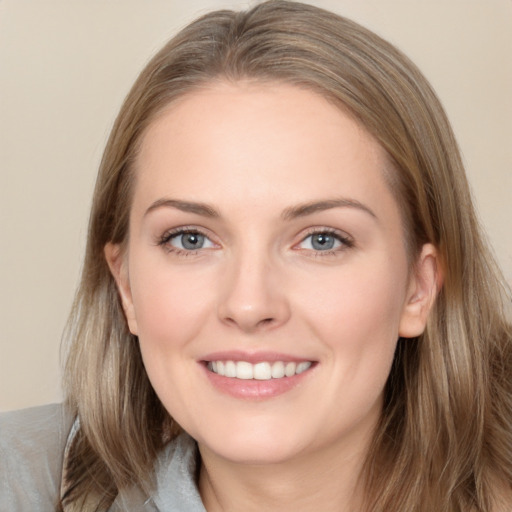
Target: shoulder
x,y
179,464
32,443
176,488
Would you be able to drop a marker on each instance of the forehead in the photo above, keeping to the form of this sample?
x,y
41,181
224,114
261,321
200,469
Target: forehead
x,y
247,141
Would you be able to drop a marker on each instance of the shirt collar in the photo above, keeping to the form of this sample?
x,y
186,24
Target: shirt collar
x,y
175,469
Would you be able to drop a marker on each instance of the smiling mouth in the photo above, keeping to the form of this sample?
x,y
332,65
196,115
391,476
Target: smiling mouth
x,y
259,371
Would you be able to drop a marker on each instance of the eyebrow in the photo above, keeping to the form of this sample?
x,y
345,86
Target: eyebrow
x,y
301,210
317,206
185,206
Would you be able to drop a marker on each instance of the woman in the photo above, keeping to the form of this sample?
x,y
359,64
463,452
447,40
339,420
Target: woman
x,y
286,301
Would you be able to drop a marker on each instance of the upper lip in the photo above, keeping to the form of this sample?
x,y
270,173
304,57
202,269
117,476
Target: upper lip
x,y
253,357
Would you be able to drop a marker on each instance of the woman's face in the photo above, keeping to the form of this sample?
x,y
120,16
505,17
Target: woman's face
x,y
265,274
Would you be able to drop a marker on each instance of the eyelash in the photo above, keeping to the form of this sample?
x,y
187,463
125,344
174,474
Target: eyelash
x,y
164,240
345,241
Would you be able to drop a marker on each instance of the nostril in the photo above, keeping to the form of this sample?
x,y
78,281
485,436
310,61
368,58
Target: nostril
x,y
250,325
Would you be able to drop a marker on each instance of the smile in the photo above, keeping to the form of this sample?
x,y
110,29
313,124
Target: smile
x,y
259,371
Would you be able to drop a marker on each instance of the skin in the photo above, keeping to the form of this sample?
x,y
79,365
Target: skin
x,y
254,153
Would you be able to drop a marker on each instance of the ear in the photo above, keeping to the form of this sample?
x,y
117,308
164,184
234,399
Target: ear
x,y
118,265
424,284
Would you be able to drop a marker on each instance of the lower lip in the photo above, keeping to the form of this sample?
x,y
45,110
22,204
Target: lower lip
x,y
253,389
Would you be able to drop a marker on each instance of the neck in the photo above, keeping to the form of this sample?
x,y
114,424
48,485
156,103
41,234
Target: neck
x,y
326,480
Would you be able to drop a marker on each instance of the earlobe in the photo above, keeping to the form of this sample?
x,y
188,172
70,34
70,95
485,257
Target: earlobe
x,y
424,285
118,267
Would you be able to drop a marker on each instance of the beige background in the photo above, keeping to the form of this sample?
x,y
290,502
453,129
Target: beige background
x,y
65,66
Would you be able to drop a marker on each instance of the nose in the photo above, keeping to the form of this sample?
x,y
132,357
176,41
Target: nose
x,y
252,295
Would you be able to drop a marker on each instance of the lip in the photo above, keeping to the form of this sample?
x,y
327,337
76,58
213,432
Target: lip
x,y
255,390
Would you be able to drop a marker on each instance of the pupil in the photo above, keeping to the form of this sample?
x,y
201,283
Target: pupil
x,y
322,241
192,241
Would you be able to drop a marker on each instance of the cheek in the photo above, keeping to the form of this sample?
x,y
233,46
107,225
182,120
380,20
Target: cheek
x,y
171,307
357,316
358,301
171,304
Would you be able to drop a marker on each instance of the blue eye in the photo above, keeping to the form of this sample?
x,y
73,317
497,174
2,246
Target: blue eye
x,y
324,241
187,241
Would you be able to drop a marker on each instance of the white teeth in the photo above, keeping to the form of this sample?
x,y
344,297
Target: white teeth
x,y
289,369
259,371
302,367
278,370
230,369
243,370
262,371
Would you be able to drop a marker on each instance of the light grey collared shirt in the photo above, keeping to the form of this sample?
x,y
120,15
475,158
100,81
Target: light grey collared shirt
x,y
32,445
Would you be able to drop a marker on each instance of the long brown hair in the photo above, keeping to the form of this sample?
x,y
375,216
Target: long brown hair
x,y
444,442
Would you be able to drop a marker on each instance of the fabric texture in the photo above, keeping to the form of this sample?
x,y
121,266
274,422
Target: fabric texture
x,y
32,447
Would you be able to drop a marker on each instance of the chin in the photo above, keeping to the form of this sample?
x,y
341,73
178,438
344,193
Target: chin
x,y
255,453
269,444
